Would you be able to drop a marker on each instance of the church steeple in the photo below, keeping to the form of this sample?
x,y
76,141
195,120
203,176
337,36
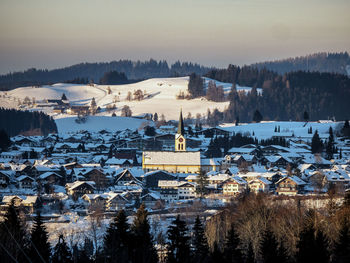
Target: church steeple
x,y
180,128
180,141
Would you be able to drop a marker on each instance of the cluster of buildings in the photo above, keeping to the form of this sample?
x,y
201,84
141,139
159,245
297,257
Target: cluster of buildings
x,y
88,171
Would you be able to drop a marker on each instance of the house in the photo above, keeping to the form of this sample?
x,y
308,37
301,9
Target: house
x,y
290,185
79,188
78,110
28,203
49,178
25,182
259,185
150,199
119,161
125,177
186,190
168,189
151,179
210,164
4,179
234,186
116,201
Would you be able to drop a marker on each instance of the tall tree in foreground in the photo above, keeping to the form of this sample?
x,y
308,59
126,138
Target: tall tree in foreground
x,y
202,184
12,237
143,250
39,247
270,251
232,252
5,141
178,246
199,242
61,253
342,246
116,241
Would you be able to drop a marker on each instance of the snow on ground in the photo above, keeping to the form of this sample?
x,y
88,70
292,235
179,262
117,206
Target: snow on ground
x,y
265,130
97,123
227,86
160,97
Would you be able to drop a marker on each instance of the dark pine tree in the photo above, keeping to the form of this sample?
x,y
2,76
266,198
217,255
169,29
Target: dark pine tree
x,y
64,97
12,237
306,116
257,117
61,253
232,252
199,242
216,254
117,239
270,251
5,141
178,245
316,143
342,247
39,247
143,250
311,247
250,257
346,129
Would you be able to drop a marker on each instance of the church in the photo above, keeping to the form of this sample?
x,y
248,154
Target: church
x,y
178,161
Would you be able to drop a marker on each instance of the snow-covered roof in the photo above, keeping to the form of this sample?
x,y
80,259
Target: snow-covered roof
x,y
47,174
172,158
22,177
78,183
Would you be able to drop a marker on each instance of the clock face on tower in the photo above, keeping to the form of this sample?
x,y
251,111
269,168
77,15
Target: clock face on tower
x,y
181,140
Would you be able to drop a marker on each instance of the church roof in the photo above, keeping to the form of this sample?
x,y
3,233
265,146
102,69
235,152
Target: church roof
x,y
172,158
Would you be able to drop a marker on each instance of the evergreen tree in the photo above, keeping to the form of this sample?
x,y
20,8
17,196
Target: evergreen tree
x,y
306,116
202,183
143,250
257,117
232,252
311,247
199,242
216,254
117,239
64,97
270,251
342,246
85,254
61,253
346,129
316,143
5,141
250,258
155,117
12,237
39,248
178,246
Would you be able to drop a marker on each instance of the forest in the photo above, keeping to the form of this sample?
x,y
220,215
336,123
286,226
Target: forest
x,y
321,62
93,72
15,122
252,228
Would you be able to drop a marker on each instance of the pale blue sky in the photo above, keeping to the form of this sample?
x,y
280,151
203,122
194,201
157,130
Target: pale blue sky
x,y
50,34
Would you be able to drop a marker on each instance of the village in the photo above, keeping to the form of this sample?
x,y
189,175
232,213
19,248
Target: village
x,y
107,171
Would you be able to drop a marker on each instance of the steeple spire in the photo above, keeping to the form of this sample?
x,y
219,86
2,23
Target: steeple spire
x,y
180,128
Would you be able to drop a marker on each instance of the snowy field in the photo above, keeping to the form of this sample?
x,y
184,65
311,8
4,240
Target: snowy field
x,y
160,97
97,123
265,130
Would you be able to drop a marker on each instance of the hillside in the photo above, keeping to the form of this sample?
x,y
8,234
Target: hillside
x,y
159,96
134,70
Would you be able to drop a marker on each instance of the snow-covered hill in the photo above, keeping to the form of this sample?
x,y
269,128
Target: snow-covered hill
x,y
97,123
160,96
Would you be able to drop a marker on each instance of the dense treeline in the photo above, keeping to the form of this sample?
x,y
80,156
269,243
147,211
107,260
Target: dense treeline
x,y
288,97
285,230
253,228
95,71
113,78
15,122
225,143
321,62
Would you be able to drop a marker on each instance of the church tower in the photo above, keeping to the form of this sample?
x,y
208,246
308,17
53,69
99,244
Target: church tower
x,y
180,141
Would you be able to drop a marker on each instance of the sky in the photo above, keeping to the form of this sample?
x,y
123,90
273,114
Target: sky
x,y
51,34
